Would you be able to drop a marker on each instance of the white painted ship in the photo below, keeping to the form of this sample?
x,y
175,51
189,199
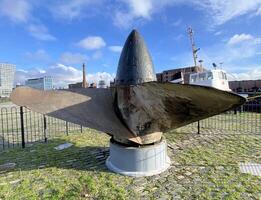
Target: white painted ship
x,y
216,78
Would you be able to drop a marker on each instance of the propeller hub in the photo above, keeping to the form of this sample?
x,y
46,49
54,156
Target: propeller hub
x,y
135,64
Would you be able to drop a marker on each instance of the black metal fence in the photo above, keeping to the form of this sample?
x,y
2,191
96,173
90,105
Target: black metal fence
x,y
246,119
20,126
232,122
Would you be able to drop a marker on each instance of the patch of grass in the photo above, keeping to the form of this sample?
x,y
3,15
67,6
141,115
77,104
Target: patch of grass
x,y
204,167
215,161
224,151
74,173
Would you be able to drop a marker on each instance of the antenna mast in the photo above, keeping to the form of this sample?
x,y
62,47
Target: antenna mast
x,y
193,45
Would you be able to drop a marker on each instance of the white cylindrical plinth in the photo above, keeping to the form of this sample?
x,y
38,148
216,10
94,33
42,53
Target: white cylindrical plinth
x,y
138,161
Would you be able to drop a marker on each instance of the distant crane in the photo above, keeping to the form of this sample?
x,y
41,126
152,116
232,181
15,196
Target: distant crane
x,y
193,45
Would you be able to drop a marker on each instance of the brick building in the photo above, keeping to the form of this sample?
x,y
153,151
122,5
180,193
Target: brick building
x,y
179,73
75,85
246,86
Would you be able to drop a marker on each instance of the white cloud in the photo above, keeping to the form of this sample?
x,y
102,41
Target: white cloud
x,y
177,23
16,11
254,74
62,75
122,19
218,33
21,11
135,10
219,11
39,55
96,55
22,75
96,77
68,9
116,49
222,11
141,8
258,12
239,53
235,57
236,39
69,58
92,43
40,32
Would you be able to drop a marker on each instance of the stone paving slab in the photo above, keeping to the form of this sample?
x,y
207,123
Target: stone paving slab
x,y
251,168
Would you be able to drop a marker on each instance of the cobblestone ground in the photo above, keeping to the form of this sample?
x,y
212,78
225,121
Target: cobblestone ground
x,y
203,166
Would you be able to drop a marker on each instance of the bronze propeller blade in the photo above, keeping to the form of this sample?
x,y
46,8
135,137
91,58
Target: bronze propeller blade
x,y
151,108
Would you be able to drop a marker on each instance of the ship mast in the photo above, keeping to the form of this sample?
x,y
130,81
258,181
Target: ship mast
x,y
193,45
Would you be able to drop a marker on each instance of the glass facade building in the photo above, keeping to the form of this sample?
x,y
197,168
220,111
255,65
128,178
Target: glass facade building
x,y
7,73
102,84
44,83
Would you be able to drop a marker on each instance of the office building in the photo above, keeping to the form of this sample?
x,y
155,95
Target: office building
x,y
43,83
75,85
7,73
102,84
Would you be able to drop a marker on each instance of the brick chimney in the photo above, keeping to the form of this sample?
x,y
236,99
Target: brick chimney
x,y
84,83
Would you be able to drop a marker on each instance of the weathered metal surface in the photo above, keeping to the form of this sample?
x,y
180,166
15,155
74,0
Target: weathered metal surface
x,y
160,107
143,112
138,109
135,64
88,107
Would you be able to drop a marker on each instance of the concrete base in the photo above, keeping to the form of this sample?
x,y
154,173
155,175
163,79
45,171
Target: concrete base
x,y
138,161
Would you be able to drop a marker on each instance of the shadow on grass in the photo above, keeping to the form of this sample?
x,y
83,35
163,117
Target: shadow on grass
x,y
44,155
90,151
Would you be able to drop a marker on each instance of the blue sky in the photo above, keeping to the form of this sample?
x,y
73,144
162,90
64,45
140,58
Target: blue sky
x,y
47,37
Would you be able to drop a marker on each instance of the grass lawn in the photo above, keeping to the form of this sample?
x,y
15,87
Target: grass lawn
x,y
203,167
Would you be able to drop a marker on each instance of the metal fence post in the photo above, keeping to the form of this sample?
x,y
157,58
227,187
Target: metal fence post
x,y
81,128
198,127
45,129
67,128
22,125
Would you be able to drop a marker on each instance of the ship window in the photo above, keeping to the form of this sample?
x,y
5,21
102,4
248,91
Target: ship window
x,y
193,78
225,76
202,76
177,76
210,75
